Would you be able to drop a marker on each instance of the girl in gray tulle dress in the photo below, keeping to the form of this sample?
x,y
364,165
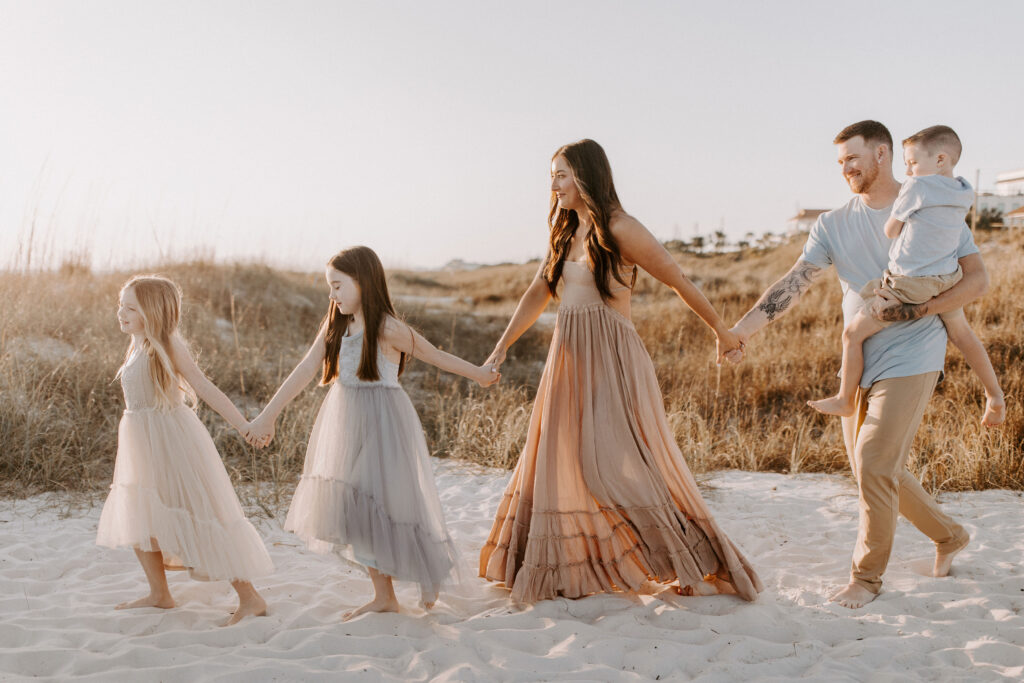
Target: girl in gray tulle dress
x,y
367,488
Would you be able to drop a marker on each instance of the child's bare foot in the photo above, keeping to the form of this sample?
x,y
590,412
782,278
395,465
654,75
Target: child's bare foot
x,y
427,602
834,405
995,412
853,596
375,605
944,561
163,601
251,607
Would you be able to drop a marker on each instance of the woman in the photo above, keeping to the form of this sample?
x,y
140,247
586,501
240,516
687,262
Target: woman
x,y
601,499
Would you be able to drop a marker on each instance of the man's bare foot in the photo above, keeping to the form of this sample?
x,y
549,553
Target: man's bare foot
x,y
834,405
253,607
853,596
375,605
944,561
151,600
995,413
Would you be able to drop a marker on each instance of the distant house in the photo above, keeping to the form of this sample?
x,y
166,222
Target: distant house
x,y
803,220
1011,183
1008,195
1014,219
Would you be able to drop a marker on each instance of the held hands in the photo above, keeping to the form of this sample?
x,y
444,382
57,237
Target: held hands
x,y
496,358
486,375
260,432
490,371
736,355
728,345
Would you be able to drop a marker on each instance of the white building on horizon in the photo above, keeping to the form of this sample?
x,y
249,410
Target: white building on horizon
x,y
1008,195
1011,183
1014,219
803,221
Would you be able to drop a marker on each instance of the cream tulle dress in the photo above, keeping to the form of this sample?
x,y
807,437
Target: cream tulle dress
x,y
170,485
367,490
601,498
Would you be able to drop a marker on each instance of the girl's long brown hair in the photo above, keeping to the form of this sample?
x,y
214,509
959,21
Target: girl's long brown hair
x,y
593,176
363,266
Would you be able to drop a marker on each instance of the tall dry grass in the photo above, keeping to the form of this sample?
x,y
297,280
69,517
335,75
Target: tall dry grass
x,y
60,348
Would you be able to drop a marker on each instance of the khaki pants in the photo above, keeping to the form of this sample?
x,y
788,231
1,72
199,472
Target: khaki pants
x,y
913,290
878,439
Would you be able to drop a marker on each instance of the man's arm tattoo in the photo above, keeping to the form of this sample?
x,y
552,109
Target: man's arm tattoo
x,y
774,303
778,299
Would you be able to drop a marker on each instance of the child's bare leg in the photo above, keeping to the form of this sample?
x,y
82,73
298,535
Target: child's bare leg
x,y
159,593
961,334
860,328
250,602
384,599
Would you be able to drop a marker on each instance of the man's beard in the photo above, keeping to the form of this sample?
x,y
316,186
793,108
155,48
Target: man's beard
x,y
863,182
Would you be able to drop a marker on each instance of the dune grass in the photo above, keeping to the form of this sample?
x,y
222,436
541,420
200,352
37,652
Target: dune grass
x,y
249,324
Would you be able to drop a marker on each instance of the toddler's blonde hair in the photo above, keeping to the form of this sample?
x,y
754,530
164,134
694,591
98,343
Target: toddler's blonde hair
x,y
935,138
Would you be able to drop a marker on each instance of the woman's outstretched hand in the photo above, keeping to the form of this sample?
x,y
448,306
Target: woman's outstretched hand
x,y
496,358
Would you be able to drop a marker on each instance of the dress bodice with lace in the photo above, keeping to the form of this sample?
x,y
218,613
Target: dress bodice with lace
x,y
348,364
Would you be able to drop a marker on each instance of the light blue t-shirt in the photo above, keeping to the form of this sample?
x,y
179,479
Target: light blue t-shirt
x,y
852,238
932,208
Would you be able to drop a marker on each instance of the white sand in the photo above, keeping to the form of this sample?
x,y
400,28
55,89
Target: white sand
x,y
57,592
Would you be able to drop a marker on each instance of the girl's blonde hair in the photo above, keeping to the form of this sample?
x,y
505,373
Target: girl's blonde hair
x,y
160,309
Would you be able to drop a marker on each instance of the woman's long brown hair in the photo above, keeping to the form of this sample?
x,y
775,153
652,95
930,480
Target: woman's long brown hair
x,y
593,176
363,266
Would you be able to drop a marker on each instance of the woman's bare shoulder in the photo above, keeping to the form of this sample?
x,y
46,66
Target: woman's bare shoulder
x,y
623,224
628,232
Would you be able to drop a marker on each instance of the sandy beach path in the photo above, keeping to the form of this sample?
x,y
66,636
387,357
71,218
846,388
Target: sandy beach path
x,y
57,592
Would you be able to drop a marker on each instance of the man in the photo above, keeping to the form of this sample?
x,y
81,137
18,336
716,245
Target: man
x,y
902,363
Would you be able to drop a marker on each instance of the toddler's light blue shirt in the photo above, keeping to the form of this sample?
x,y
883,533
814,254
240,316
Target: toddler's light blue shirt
x,y
852,238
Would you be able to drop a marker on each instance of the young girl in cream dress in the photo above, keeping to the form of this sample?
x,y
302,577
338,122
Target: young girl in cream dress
x,y
171,499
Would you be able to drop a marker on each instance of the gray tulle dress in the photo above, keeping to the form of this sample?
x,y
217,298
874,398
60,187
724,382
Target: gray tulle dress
x,y
367,489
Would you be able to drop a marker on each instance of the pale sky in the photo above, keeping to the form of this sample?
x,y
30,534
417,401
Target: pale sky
x,y
285,131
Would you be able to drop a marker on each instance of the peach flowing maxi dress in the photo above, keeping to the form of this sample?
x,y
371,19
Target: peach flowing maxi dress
x,y
601,498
